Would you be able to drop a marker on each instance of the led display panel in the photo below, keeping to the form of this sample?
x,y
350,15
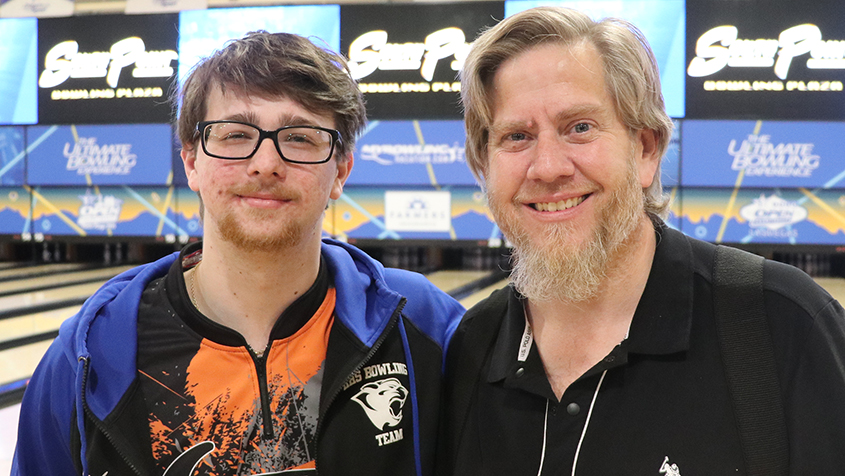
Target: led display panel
x,y
12,155
105,211
764,216
411,153
755,154
18,59
662,21
204,31
103,69
136,154
766,59
406,57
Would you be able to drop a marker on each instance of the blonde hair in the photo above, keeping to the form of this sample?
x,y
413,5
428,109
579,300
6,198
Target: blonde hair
x,y
631,75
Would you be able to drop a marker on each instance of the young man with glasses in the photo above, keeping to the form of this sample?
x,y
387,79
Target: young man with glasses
x,y
263,349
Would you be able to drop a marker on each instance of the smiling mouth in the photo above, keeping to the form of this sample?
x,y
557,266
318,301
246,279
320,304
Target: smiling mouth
x,y
558,206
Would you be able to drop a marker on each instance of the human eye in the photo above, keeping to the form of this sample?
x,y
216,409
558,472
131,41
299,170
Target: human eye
x,y
582,128
232,132
512,141
305,137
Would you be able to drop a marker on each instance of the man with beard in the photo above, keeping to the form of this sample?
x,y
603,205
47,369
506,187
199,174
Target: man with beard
x,y
262,349
602,356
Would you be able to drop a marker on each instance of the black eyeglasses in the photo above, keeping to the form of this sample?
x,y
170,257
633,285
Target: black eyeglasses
x,y
236,140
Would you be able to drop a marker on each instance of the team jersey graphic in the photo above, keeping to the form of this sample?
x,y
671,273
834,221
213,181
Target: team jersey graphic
x,y
227,414
382,401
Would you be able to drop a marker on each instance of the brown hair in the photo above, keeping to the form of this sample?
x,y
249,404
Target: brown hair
x,y
271,65
630,70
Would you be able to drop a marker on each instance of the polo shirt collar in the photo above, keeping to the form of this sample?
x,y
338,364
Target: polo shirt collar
x,y
661,323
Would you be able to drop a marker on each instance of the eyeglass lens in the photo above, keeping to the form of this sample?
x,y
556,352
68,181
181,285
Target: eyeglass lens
x,y
238,141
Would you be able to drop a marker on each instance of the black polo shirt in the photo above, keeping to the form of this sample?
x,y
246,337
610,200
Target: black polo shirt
x,y
658,404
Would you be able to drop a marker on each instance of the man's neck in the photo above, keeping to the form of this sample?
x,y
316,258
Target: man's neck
x,y
573,336
248,290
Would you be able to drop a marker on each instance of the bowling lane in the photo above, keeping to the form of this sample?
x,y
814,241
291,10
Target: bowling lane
x,y
483,293
60,279
36,323
45,297
448,280
19,363
15,273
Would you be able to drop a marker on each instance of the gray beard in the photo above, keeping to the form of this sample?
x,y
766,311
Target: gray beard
x,y
553,271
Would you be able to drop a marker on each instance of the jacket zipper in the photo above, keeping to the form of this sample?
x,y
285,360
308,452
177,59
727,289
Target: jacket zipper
x,y
96,421
266,414
394,319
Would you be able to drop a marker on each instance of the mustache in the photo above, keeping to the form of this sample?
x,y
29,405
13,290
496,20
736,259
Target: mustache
x,y
277,192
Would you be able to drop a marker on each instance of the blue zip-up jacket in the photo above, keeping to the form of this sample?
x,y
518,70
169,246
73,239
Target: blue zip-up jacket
x,y
79,416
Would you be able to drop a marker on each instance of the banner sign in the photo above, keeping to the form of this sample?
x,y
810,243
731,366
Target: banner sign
x,y
18,59
105,211
202,32
137,154
135,7
411,153
106,68
406,57
763,154
188,213
766,59
663,22
15,212
783,216
366,213
12,155
36,8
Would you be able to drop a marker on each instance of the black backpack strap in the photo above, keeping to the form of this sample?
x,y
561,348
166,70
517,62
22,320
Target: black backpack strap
x,y
477,344
749,360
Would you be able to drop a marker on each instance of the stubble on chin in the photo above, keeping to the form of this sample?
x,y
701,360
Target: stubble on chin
x,y
231,230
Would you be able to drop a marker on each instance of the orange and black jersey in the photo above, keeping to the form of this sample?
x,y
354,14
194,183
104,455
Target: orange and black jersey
x,y
138,384
202,383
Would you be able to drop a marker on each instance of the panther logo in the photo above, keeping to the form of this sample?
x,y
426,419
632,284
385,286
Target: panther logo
x,y
382,401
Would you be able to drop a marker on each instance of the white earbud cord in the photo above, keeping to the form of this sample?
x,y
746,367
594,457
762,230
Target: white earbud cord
x,y
583,432
587,423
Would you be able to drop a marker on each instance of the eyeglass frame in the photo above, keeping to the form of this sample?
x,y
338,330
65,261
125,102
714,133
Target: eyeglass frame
x,y
274,135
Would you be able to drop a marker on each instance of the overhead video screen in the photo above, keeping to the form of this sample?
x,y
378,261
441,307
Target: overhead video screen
x,y
202,32
411,153
406,57
103,69
136,154
763,154
18,66
662,21
766,59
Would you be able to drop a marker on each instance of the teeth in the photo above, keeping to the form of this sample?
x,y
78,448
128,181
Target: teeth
x,y
561,205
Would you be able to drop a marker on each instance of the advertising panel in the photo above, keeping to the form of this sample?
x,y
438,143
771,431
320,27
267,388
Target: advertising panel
x,y
136,154
106,68
15,211
12,155
411,153
188,211
204,31
766,59
670,168
406,57
763,154
663,22
18,66
105,211
782,216
361,213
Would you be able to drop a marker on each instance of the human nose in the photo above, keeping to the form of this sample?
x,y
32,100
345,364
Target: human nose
x,y
552,159
266,160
